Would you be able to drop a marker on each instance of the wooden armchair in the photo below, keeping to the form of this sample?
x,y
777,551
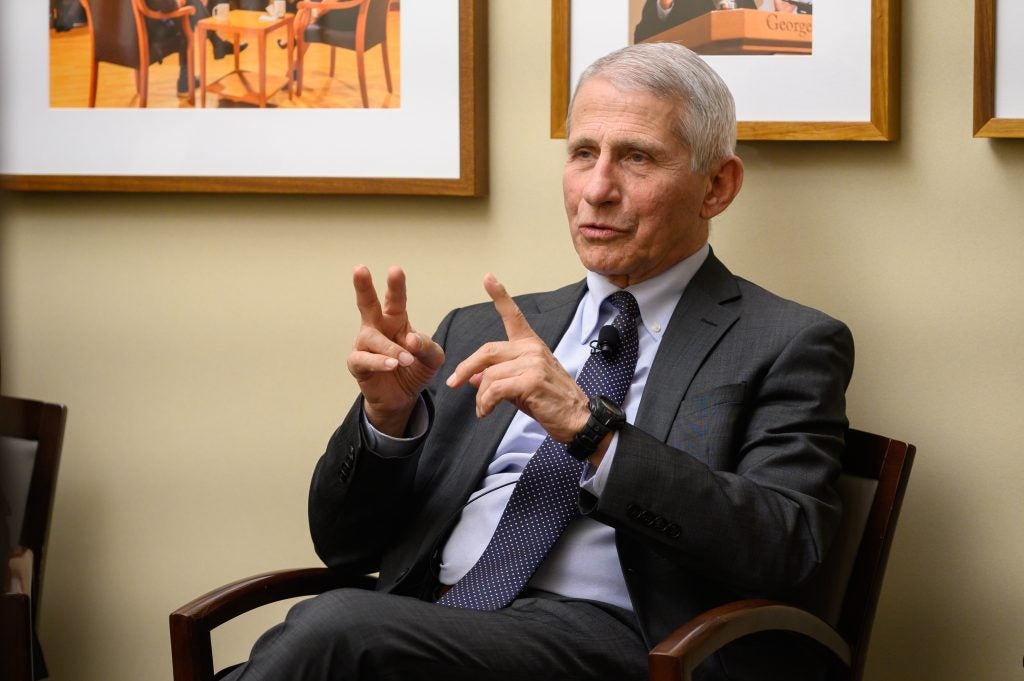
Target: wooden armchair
x,y
31,435
117,29
350,24
836,609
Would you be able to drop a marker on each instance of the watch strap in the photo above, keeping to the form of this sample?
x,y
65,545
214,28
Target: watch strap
x,y
605,417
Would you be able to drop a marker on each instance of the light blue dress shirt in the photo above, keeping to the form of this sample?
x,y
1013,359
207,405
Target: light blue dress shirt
x,y
584,562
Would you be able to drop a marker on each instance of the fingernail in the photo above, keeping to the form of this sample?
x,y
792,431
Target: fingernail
x,y
406,359
391,362
451,381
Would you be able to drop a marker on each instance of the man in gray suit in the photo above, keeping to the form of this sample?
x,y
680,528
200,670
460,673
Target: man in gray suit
x,y
714,481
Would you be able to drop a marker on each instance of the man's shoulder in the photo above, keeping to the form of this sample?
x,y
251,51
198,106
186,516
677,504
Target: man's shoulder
x,y
717,284
757,302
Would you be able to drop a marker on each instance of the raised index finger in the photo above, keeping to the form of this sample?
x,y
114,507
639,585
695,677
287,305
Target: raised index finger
x,y
512,317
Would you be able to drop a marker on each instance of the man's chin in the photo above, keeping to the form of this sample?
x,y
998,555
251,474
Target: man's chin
x,y
606,267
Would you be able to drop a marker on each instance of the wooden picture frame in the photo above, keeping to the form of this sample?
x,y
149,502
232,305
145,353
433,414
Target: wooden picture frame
x,y
471,156
986,122
881,125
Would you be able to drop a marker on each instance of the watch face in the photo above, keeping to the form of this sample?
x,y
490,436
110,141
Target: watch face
x,y
607,412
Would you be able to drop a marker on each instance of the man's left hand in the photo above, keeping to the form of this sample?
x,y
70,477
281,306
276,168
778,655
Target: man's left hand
x,y
523,371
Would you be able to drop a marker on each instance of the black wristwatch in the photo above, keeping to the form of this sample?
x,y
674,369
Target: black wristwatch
x,y
605,416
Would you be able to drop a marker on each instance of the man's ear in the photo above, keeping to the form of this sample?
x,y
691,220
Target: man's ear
x,y
722,187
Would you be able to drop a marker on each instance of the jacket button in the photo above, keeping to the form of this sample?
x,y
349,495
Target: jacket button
x,y
659,523
647,517
673,530
633,511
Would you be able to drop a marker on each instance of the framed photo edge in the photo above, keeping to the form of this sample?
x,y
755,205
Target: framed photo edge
x,y
985,122
885,70
473,180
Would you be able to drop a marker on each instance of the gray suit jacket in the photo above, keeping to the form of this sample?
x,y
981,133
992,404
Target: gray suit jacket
x,y
723,487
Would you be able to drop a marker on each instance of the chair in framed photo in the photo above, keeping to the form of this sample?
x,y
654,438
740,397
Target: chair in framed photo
x,y
133,35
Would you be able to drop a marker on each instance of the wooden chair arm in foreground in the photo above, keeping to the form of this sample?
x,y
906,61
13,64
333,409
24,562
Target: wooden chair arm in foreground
x,y
837,607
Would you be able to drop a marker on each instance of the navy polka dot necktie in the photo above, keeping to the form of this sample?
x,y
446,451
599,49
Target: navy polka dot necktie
x,y
545,497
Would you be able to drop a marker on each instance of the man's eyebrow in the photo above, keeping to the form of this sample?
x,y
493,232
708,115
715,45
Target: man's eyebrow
x,y
627,142
644,144
581,141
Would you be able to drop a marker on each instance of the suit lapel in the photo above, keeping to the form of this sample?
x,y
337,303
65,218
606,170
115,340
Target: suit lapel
x,y
698,322
549,315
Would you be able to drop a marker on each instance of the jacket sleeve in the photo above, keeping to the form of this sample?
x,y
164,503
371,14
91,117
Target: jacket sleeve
x,y
361,502
742,491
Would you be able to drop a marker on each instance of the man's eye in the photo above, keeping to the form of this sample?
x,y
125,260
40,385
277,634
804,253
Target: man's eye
x,y
637,157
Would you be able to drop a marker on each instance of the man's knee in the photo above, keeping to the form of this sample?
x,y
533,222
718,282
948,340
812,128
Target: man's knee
x,y
319,639
334,618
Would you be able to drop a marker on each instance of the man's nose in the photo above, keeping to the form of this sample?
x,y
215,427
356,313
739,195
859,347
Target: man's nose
x,y
602,183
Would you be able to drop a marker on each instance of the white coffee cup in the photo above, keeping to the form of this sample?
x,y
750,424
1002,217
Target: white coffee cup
x,y
276,8
220,12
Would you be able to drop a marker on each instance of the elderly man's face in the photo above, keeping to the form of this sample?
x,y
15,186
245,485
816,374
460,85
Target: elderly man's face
x,y
634,205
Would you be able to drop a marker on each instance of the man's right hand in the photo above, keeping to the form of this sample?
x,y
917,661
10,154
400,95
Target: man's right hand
x,y
391,362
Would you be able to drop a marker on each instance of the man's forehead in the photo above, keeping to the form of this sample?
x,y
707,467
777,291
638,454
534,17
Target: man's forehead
x,y
609,113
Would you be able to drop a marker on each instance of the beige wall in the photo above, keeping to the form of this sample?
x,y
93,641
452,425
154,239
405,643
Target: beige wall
x,y
199,342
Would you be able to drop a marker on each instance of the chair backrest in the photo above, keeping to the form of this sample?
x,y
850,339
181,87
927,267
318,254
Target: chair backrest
x,y
114,33
844,591
31,436
115,27
340,26
377,22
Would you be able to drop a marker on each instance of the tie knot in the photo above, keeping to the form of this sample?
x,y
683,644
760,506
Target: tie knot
x,y
625,303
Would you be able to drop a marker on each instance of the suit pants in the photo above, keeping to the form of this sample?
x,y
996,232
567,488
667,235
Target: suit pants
x,y
351,634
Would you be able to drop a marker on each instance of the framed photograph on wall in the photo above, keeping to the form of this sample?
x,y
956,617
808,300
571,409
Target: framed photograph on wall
x,y
797,73
425,134
998,53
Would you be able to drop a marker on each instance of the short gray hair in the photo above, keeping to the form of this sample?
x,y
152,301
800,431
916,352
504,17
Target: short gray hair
x,y
707,112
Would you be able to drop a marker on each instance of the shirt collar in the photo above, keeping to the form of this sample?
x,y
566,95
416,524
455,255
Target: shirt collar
x,y
657,297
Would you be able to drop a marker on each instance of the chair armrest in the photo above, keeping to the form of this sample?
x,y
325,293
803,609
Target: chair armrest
x,y
16,617
309,11
306,11
328,5
679,654
191,624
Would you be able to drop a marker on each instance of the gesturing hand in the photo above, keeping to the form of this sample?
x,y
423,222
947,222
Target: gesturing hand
x,y
522,371
391,362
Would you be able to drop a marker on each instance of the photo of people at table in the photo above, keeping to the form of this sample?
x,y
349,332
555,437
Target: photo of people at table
x,y
224,54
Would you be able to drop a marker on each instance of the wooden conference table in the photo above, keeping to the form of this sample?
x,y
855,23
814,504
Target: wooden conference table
x,y
255,27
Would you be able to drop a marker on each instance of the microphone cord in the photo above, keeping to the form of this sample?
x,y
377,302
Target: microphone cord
x,y
435,562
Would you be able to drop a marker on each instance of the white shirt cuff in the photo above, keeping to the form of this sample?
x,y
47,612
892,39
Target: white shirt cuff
x,y
396,447
595,479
